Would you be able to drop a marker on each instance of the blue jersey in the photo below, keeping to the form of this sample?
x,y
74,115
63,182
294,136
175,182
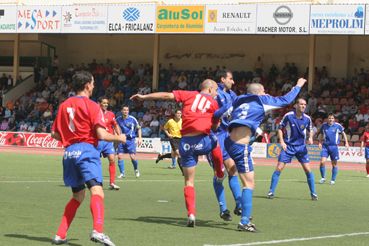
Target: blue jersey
x,y
249,110
128,126
331,133
225,100
295,128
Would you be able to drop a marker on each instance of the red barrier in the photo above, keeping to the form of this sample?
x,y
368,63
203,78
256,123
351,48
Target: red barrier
x,y
29,139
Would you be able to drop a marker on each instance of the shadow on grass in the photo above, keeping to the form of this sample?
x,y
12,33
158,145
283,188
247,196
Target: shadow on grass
x,y
39,239
282,198
181,222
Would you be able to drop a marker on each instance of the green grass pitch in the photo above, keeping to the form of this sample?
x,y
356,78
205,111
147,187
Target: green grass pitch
x,y
151,211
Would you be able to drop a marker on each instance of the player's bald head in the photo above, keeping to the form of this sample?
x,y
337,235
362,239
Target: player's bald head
x,y
208,83
255,88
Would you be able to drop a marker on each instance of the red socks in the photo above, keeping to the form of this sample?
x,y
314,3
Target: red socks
x,y
367,169
218,161
69,213
112,172
97,211
190,199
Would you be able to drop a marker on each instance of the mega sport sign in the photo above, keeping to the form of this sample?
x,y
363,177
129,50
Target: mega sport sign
x,y
39,19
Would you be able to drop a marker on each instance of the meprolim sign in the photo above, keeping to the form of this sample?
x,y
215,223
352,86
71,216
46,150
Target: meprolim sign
x,y
282,19
131,19
231,19
337,19
8,19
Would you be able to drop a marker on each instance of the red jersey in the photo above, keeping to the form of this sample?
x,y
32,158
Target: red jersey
x,y
110,121
77,119
198,110
365,138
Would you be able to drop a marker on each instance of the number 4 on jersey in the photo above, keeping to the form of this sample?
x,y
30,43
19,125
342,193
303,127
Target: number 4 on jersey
x,y
201,103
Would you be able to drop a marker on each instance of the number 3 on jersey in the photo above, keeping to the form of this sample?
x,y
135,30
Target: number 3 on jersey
x,y
201,103
71,112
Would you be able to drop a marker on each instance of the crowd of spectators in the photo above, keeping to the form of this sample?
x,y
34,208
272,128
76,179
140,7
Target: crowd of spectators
x,y
348,99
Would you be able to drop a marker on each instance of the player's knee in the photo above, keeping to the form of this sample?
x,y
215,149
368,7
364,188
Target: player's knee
x,y
79,196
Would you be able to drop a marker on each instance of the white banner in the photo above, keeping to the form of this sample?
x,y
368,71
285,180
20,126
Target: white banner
x,y
84,19
39,19
352,154
337,19
259,150
150,145
283,19
367,20
8,19
131,19
231,19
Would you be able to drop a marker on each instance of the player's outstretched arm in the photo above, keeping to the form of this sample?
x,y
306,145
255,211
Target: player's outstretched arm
x,y
154,96
345,138
102,134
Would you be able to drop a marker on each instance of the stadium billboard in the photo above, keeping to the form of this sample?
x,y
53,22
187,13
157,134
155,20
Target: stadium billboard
x,y
366,20
84,19
337,19
230,19
131,19
38,19
283,19
180,19
8,19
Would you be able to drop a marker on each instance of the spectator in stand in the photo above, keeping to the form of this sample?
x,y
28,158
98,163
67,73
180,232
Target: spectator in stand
x,y
146,130
154,125
353,126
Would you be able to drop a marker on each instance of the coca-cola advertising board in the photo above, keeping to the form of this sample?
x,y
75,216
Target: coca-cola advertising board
x,y
29,139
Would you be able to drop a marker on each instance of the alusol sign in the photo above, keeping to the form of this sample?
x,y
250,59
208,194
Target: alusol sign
x,y
180,19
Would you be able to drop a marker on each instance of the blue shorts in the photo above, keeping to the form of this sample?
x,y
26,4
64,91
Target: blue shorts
x,y
330,150
300,151
127,148
221,136
241,154
81,163
191,147
366,152
106,148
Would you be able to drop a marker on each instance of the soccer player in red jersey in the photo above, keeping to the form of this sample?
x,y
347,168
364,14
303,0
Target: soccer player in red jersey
x,y
365,141
78,125
107,148
197,120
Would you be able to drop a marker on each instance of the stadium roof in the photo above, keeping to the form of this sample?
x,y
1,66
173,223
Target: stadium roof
x,y
70,2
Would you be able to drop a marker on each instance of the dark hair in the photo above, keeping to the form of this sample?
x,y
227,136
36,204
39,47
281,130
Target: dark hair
x,y
100,99
331,114
177,111
80,79
223,73
300,98
125,106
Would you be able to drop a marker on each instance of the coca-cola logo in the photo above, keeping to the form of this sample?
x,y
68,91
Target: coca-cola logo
x,y
44,141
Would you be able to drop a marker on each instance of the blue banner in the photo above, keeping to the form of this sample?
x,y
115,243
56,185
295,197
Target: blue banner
x,y
274,149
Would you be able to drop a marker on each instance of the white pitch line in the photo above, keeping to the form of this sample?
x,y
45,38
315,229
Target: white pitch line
x,y
294,239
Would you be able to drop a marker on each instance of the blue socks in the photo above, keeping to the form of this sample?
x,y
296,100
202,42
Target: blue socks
x,y
173,161
334,173
274,181
234,185
135,164
311,182
246,205
322,171
121,166
219,192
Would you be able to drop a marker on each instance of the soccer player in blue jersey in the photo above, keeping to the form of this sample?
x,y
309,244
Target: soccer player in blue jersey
x,y
130,127
225,99
292,135
330,131
247,113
